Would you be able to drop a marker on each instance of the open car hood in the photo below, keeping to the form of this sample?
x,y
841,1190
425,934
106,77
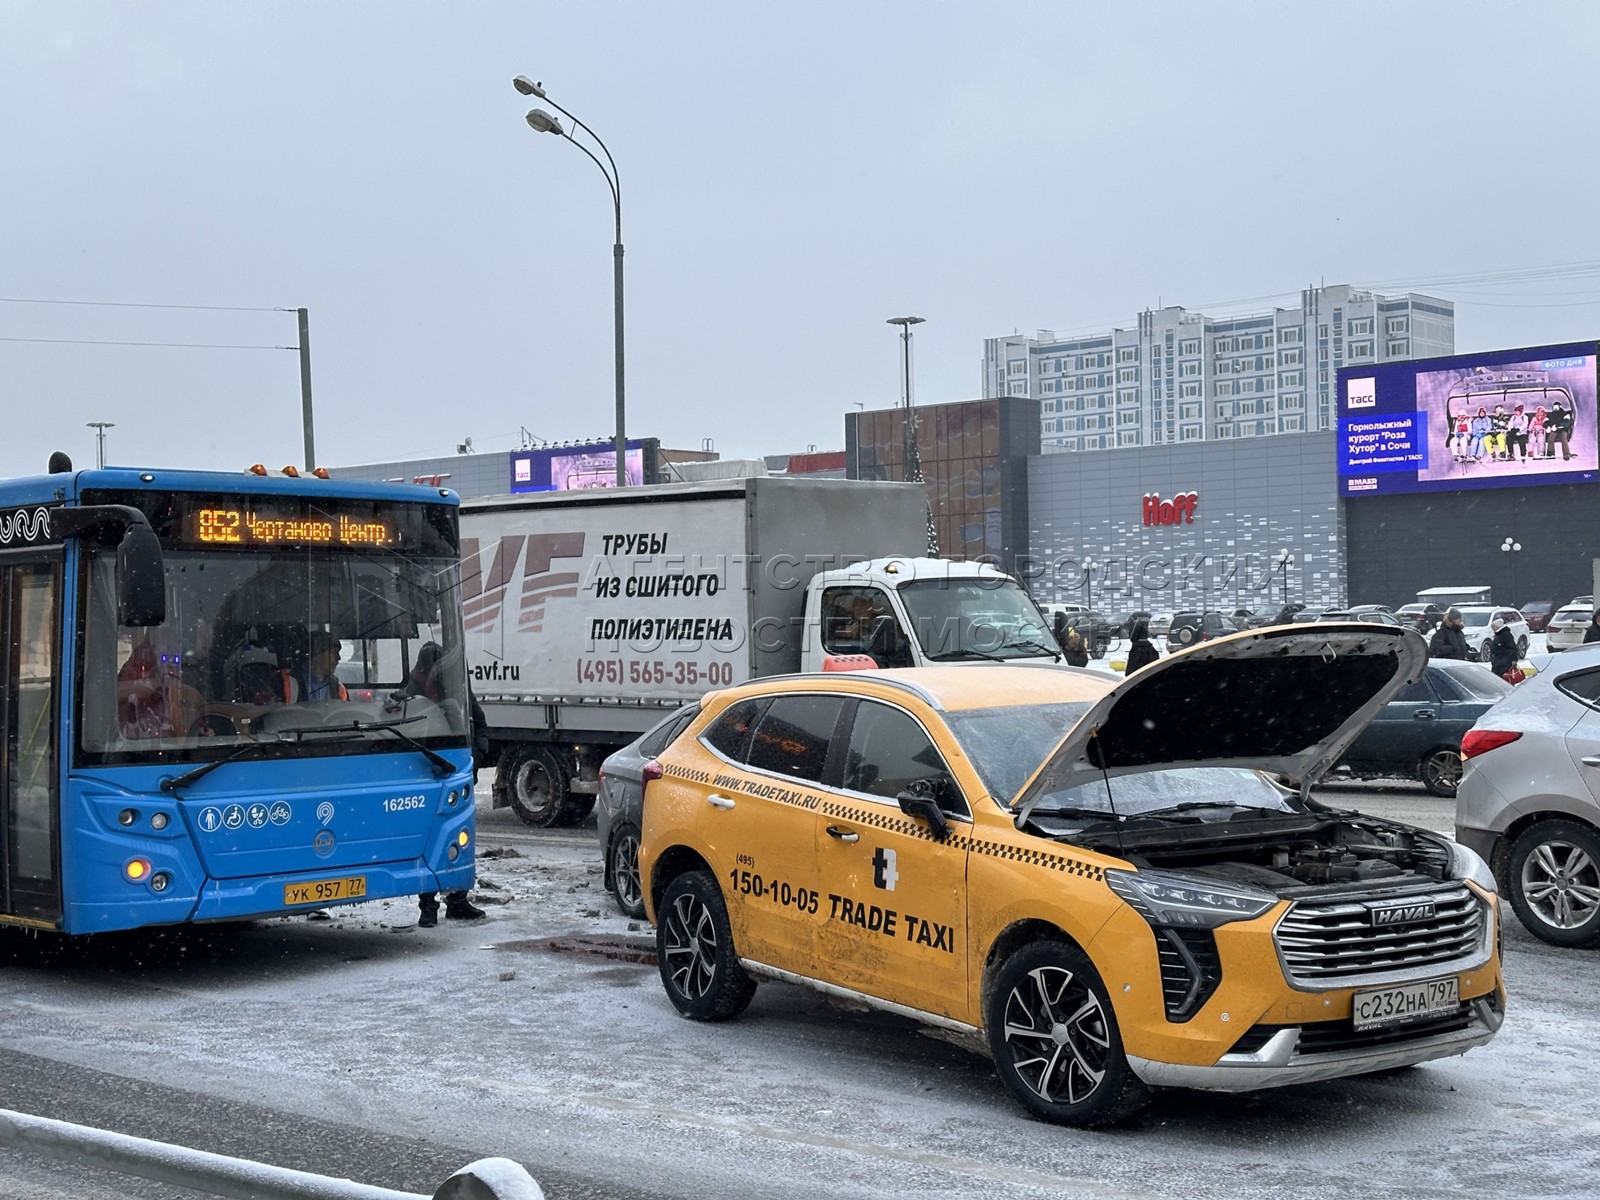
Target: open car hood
x,y
1285,699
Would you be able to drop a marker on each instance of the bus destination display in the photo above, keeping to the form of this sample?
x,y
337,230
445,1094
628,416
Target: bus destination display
x,y
217,524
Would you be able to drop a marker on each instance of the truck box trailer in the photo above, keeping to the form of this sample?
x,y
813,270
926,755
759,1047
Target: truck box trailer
x,y
590,614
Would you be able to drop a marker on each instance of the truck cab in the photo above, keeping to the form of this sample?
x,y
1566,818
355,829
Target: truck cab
x,y
914,612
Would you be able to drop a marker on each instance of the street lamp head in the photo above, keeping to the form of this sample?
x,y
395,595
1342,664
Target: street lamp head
x,y
904,321
543,122
528,87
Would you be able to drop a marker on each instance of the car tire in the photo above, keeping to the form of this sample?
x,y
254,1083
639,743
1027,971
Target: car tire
x,y
1440,771
1486,651
694,948
1183,636
533,781
1101,645
622,867
1054,1039
1553,876
1522,647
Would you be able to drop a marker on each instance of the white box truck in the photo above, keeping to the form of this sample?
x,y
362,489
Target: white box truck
x,y
591,614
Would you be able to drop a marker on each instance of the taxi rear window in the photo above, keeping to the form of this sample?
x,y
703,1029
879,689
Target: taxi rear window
x,y
1006,745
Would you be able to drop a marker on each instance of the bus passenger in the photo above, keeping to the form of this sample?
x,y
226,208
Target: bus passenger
x,y
315,678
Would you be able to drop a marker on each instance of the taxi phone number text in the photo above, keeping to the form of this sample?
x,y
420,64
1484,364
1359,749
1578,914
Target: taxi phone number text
x,y
648,670
779,892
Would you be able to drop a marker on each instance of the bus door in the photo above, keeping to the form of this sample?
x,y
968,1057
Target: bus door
x,y
30,617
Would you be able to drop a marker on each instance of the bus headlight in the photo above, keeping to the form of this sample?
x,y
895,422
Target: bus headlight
x,y
127,817
159,881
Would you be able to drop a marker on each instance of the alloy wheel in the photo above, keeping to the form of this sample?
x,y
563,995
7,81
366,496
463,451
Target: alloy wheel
x,y
690,945
1057,1035
1561,883
625,873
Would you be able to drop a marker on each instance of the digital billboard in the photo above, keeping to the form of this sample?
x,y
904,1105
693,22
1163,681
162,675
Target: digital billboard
x,y
1509,418
575,468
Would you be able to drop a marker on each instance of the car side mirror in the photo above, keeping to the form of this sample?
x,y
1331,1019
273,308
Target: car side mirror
x,y
921,800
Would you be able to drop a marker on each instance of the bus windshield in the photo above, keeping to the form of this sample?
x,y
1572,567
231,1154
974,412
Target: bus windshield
x,y
299,649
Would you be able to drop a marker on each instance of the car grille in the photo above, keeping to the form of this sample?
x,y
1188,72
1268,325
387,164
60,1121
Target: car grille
x,y
1330,1037
1337,942
1190,970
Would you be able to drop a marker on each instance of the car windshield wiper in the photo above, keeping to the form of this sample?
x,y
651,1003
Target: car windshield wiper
x,y
1191,805
204,769
442,766
968,652
1098,814
1029,644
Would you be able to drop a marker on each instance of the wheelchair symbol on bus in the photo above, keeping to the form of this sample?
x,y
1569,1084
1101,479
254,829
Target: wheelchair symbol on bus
x,y
233,816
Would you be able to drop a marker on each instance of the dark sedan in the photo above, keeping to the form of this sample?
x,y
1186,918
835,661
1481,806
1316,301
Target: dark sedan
x,y
1417,735
619,807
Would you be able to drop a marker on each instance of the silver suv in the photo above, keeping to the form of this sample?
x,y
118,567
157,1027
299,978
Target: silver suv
x,y
1529,797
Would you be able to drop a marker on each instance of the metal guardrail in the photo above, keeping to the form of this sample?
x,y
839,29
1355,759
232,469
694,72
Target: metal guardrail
x,y
238,1178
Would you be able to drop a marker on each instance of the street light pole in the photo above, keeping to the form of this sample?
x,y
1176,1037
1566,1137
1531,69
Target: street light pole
x,y
1512,547
1282,563
905,324
542,122
1089,568
100,428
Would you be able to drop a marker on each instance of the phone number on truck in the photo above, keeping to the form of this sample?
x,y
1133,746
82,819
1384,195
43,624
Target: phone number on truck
x,y
683,672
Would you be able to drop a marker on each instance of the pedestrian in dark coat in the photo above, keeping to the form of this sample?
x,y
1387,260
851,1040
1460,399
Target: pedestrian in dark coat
x,y
1450,639
1074,648
1503,649
1143,651
1592,634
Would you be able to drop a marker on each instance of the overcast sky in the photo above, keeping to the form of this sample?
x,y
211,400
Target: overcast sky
x,y
792,176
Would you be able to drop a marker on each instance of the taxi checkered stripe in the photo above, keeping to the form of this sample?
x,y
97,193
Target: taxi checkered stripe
x,y
894,823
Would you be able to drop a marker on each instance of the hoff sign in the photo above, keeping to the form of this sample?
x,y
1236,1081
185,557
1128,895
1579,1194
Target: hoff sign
x,y
1177,511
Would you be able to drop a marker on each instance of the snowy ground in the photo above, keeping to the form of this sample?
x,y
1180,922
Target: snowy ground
x,y
546,1025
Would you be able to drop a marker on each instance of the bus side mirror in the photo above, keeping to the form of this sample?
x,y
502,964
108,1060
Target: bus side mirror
x,y
141,581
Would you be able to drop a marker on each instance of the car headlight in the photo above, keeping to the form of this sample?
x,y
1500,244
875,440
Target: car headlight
x,y
1163,898
1466,864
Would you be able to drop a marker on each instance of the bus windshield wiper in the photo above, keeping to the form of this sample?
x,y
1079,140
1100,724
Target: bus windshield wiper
x,y
204,769
442,766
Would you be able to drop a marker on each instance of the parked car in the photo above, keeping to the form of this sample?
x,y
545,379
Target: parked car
x,y
1309,612
1097,629
1426,617
1418,734
620,802
1045,861
1367,608
1528,797
1372,616
1568,626
1126,622
1477,621
1190,627
1255,618
1160,624
1537,614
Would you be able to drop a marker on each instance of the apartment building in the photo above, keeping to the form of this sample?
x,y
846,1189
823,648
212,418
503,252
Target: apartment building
x,y
1181,376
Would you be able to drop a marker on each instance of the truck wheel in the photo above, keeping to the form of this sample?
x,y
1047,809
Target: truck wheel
x,y
694,946
536,785
1054,1039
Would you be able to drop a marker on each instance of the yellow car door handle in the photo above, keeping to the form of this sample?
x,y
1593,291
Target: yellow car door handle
x,y
843,835
717,801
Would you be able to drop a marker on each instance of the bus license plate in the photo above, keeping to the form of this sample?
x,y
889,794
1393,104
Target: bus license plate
x,y
325,891
1407,1002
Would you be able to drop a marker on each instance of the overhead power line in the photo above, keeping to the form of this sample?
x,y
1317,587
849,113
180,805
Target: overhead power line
x,y
132,304
172,345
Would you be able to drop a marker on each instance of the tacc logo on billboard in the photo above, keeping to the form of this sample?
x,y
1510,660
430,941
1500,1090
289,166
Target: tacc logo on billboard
x,y
1177,511
1361,393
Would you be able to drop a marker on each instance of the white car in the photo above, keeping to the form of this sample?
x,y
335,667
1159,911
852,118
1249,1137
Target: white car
x,y
1478,622
1568,626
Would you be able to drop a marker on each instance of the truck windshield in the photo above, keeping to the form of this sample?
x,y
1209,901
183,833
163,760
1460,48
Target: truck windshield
x,y
961,619
261,642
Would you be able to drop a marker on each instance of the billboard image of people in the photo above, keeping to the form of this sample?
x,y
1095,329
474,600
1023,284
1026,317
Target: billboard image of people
x,y
1504,419
579,467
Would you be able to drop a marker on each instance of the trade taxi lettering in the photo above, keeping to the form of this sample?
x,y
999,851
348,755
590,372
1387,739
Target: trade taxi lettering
x,y
764,791
888,922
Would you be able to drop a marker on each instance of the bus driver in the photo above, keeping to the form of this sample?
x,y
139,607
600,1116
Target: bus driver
x,y
315,678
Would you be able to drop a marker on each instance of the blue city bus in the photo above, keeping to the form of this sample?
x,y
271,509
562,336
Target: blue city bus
x,y
227,697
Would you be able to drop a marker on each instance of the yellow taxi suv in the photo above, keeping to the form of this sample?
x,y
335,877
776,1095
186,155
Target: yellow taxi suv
x,y
1112,885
